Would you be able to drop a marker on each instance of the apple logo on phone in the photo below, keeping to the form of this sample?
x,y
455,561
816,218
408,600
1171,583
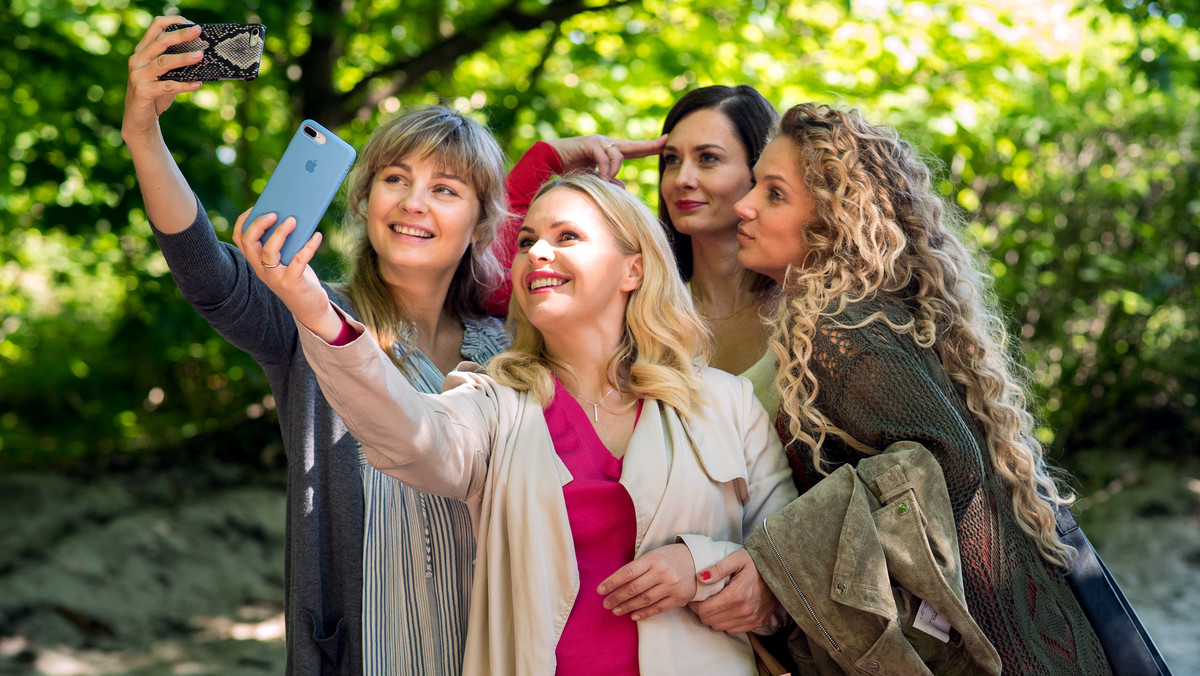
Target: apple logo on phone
x,y
310,166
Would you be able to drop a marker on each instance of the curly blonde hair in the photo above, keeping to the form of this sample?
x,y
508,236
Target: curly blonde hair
x,y
881,231
467,149
663,336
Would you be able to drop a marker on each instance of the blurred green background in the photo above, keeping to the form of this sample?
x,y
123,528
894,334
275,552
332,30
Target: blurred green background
x,y
1066,131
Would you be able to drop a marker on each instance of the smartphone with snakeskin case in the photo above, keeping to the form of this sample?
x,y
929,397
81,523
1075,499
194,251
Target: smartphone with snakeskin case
x,y
232,51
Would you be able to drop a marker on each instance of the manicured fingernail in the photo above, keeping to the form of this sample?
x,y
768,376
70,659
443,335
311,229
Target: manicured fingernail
x,y
704,575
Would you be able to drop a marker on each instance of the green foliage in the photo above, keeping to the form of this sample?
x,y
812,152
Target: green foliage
x,y
1066,135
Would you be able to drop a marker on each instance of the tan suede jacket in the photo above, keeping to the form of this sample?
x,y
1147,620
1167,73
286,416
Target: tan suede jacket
x,y
852,559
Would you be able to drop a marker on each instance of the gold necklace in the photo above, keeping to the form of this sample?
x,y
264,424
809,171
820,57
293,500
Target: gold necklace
x,y
595,404
736,312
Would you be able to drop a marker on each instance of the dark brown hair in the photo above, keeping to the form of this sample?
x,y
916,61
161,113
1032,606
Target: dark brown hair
x,y
753,119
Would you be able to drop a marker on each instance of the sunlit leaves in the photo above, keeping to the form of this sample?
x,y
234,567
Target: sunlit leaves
x,y
1066,134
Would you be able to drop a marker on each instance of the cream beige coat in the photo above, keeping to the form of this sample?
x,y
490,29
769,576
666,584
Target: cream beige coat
x,y
707,480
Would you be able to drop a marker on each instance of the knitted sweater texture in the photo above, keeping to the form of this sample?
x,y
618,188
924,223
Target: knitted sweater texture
x,y
881,387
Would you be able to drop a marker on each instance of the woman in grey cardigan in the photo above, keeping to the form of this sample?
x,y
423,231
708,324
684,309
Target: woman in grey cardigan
x,y
425,200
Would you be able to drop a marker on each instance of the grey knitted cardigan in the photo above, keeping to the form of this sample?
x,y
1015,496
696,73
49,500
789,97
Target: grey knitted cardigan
x,y
324,545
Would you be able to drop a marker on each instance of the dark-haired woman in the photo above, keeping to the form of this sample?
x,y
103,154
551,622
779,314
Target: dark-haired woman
x,y
711,138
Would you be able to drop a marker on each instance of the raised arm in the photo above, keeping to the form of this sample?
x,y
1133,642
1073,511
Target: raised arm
x,y
435,443
170,205
214,278
601,153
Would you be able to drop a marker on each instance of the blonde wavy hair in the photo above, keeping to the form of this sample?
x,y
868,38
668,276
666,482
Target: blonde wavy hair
x,y
466,149
663,335
881,231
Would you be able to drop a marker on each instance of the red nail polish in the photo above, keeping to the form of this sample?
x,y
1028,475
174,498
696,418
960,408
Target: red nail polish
x,y
705,575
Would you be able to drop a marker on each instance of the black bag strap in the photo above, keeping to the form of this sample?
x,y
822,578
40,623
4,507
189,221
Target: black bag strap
x,y
1128,646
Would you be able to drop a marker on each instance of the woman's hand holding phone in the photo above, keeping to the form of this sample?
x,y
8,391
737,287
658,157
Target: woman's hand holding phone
x,y
170,205
296,284
146,96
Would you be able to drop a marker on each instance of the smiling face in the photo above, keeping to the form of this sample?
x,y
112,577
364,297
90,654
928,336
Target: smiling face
x,y
775,212
705,171
570,270
420,217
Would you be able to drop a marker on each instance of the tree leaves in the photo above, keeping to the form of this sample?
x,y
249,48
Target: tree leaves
x,y
1067,137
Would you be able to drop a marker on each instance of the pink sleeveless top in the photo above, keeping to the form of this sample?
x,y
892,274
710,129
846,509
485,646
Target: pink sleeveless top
x,y
604,530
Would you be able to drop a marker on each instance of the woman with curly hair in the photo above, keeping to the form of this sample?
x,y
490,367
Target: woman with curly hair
x,y
603,467
887,332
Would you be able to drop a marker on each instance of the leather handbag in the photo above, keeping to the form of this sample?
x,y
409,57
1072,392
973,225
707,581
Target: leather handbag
x,y
1126,643
766,661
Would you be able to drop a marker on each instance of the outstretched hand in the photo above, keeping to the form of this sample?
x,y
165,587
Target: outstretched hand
x,y
603,154
655,582
745,604
296,284
146,96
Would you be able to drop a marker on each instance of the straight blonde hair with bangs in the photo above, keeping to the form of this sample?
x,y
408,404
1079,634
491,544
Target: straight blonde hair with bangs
x,y
663,336
466,149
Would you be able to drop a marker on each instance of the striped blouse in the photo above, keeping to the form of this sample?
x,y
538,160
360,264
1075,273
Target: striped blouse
x,y
419,550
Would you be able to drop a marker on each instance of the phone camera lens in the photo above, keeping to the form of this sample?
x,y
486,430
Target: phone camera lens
x,y
312,133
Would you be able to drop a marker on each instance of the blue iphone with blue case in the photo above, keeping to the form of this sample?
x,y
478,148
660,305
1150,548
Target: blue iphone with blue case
x,y
304,183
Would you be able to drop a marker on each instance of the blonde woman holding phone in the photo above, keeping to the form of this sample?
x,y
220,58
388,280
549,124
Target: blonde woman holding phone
x,y
603,467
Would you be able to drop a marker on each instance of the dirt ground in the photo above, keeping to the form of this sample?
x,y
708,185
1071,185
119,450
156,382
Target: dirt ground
x,y
180,571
